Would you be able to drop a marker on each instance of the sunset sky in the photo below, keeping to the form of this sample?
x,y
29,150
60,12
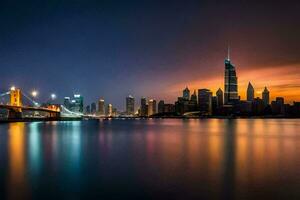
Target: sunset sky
x,y
111,49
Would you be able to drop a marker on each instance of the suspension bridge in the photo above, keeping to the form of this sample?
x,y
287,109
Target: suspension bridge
x,y
16,108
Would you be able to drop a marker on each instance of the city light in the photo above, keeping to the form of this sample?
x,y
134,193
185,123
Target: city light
x,y
13,88
34,93
53,96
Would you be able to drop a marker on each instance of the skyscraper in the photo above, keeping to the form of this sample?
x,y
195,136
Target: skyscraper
x,y
220,97
101,107
205,101
78,103
93,108
194,97
230,83
266,96
250,92
161,106
151,107
144,107
109,110
186,93
130,105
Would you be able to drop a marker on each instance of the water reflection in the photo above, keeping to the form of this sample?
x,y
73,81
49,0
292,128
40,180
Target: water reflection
x,y
17,183
179,159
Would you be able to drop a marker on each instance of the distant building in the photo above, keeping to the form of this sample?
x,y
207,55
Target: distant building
x,y
277,106
161,106
67,103
144,107
169,108
130,105
78,103
75,104
93,108
266,96
186,93
88,109
194,98
250,92
205,101
258,106
151,107
109,110
101,107
220,97
230,84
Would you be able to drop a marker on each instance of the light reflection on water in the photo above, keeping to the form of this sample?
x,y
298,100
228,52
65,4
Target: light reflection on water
x,y
151,159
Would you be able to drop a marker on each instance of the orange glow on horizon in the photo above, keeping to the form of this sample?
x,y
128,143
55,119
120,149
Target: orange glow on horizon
x,y
281,82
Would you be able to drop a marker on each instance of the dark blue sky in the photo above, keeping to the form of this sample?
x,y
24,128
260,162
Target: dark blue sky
x,y
111,49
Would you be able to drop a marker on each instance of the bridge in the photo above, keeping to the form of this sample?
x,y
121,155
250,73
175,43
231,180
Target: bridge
x,y
16,108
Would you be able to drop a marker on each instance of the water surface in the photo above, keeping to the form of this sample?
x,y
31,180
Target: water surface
x,y
151,159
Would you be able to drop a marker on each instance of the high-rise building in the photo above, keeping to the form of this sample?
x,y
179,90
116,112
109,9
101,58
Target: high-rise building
x,y
93,108
230,83
250,92
151,107
266,96
161,106
220,97
109,110
101,107
78,103
186,93
144,107
88,109
194,97
205,101
130,105
67,103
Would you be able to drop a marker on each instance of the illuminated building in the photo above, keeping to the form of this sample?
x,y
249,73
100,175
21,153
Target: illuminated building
x,y
250,92
101,107
151,107
144,107
186,93
161,106
130,105
266,96
78,103
67,102
205,101
220,97
109,110
230,83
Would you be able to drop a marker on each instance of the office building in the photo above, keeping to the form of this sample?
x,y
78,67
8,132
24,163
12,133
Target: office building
x,y
266,96
186,93
250,92
205,101
130,105
230,83
101,107
161,106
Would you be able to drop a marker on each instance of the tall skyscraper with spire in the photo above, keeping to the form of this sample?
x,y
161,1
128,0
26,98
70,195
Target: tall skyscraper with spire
x,y
266,96
250,92
230,83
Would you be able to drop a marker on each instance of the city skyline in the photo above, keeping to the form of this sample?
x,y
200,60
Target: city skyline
x,y
95,48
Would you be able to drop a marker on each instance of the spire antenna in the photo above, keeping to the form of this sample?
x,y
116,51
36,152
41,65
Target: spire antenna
x,y
228,52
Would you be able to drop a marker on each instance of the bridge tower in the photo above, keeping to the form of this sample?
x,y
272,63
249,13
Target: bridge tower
x,y
15,100
15,97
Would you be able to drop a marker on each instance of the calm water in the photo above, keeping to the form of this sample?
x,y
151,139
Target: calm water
x,y
151,159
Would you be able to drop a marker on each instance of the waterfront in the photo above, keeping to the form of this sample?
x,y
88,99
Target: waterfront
x,y
151,159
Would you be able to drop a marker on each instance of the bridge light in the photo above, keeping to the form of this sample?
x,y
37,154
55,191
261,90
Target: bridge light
x,y
13,88
53,96
34,93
